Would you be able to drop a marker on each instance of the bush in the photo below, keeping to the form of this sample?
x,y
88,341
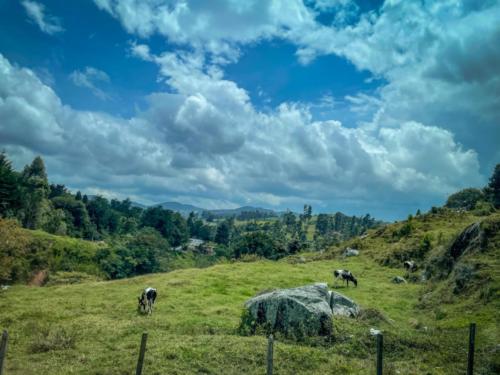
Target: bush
x,y
464,199
464,275
62,278
483,208
48,339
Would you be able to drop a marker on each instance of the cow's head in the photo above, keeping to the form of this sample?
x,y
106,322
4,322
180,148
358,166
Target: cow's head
x,y
354,280
141,307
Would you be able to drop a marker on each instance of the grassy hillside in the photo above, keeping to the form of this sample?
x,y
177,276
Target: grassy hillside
x,y
93,327
23,253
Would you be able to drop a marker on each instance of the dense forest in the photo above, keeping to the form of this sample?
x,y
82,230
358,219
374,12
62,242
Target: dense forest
x,y
131,240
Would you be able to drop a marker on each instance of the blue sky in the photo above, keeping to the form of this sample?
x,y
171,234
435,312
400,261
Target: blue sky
x,y
357,106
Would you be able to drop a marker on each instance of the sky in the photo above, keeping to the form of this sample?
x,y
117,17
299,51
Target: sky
x,y
380,107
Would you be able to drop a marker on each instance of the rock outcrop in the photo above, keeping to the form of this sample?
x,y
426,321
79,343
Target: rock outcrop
x,y
302,311
341,305
351,252
470,238
398,280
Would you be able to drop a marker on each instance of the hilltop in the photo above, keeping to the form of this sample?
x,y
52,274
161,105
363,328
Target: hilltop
x,y
93,326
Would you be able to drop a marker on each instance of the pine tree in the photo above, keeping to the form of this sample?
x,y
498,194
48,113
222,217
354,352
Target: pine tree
x,y
9,192
35,193
493,188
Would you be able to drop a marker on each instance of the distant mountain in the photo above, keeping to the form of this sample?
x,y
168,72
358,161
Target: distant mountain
x,y
138,205
228,212
183,209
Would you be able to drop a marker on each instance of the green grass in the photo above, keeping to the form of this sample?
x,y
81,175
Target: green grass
x,y
193,328
94,327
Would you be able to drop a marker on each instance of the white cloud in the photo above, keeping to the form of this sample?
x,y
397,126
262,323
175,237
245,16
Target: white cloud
x,y
89,78
47,23
204,141
204,149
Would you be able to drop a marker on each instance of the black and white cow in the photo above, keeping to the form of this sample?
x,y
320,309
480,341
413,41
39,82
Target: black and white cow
x,y
147,300
410,266
345,275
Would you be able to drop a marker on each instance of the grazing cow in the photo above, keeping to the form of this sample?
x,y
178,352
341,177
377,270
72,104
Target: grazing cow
x,y
147,300
410,266
345,275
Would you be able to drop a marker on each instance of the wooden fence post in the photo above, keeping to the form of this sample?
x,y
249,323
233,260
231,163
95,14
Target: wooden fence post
x,y
140,361
470,357
380,349
3,349
270,344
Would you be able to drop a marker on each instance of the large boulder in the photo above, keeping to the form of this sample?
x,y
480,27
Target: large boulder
x,y
302,311
341,305
351,252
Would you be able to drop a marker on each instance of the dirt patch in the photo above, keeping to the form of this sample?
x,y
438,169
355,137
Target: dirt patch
x,y
39,279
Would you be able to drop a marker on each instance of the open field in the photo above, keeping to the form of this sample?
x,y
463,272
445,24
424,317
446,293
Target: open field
x,y
93,328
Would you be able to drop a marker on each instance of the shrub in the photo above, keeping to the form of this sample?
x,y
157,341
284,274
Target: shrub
x,y
61,278
464,199
464,275
48,339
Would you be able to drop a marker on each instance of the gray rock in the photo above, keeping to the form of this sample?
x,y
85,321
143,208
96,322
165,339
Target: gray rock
x,y
470,239
341,305
351,252
398,280
306,310
296,311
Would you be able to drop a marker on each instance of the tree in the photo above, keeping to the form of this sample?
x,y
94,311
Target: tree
x,y
57,190
323,224
465,199
259,243
147,248
35,193
223,233
56,222
9,192
493,188
309,212
289,220
78,196
77,218
170,224
98,210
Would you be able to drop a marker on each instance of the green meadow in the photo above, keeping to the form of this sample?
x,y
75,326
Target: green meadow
x,y
94,328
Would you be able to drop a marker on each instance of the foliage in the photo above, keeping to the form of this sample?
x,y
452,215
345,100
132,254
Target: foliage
x,y
223,233
10,196
49,338
465,199
170,224
493,189
344,226
260,244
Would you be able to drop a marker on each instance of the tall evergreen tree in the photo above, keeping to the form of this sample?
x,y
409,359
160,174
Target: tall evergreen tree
x,y
223,234
35,193
9,191
493,188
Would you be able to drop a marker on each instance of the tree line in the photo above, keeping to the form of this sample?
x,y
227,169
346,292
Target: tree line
x,y
142,240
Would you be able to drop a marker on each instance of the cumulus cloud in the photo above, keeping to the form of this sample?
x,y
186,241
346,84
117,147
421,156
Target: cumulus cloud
x,y
89,78
190,146
204,140
37,14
